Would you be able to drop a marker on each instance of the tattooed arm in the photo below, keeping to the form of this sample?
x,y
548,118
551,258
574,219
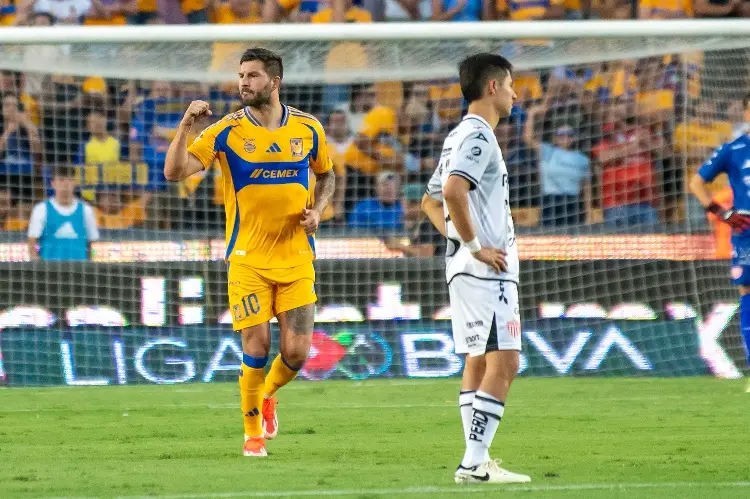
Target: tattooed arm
x,y
325,184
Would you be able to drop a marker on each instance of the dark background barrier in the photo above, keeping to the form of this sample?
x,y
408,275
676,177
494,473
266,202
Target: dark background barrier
x,y
60,286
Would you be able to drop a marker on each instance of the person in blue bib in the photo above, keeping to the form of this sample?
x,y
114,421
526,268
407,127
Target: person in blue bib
x,y
62,227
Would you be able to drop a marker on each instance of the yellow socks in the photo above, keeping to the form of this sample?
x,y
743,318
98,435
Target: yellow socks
x,y
280,374
252,379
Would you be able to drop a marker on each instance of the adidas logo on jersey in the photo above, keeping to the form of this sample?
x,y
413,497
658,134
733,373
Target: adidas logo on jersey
x,y
274,148
66,231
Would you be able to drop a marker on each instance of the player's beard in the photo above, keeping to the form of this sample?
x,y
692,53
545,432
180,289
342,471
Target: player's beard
x,y
259,99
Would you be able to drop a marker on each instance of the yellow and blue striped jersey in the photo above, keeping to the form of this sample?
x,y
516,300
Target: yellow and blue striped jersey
x,y
266,180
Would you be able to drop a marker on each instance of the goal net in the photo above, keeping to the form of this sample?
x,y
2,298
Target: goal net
x,y
621,272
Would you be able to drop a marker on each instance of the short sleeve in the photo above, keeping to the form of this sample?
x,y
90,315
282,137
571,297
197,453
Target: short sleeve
x,y
435,187
37,221
320,160
92,231
473,156
204,147
716,164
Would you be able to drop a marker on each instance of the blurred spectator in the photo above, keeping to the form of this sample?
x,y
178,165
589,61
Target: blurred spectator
x,y
719,8
458,10
418,124
384,212
376,146
64,11
15,12
521,163
339,138
424,239
101,150
564,173
64,112
62,227
112,213
352,14
629,187
736,113
237,12
448,101
665,9
612,9
5,206
106,13
697,138
407,10
12,218
195,11
362,100
528,10
141,11
20,148
301,11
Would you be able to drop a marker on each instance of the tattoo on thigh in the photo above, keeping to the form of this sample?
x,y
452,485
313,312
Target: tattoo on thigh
x,y
301,320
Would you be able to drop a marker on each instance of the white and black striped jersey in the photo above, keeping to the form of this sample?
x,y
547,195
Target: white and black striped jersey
x,y
471,151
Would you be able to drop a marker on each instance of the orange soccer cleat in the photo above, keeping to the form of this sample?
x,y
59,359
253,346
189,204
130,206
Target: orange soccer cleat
x,y
254,446
270,420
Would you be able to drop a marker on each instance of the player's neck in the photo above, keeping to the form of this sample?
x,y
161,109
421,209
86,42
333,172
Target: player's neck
x,y
269,116
64,201
485,110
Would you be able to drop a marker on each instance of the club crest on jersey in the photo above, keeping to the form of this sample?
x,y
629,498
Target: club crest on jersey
x,y
296,146
249,145
237,312
736,272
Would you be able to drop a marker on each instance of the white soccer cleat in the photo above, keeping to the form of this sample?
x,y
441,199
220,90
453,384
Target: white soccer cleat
x,y
489,472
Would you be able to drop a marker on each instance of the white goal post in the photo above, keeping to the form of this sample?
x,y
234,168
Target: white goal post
x,y
392,51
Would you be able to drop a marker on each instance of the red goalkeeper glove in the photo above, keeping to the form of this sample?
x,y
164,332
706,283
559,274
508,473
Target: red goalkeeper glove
x,y
737,221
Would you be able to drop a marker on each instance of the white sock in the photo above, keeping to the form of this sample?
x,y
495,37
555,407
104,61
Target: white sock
x,y
486,415
465,399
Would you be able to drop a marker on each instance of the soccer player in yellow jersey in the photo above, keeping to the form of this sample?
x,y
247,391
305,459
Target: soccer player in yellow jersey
x,y
265,152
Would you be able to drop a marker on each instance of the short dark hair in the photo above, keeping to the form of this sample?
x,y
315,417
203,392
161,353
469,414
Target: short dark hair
x,y
271,60
746,101
65,171
476,70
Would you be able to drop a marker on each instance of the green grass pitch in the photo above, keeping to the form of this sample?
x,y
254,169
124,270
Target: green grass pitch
x,y
577,438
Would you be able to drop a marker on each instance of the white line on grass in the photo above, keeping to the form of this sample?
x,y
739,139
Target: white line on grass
x,y
344,406
443,490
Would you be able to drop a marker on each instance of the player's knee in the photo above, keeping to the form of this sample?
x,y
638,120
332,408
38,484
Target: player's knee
x,y
255,342
294,356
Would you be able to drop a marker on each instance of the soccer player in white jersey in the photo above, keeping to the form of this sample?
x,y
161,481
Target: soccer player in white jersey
x,y
471,180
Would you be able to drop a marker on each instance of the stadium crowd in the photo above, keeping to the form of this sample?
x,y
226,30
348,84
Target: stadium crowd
x,y
610,143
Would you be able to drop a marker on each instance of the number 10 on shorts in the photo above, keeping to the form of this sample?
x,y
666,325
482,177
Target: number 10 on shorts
x,y
250,305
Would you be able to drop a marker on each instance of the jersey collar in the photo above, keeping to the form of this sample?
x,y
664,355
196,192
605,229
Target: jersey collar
x,y
477,117
284,116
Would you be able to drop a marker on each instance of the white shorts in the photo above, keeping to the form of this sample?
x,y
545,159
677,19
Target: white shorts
x,y
485,315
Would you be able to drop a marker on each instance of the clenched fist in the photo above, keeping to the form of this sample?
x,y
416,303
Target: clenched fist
x,y
196,109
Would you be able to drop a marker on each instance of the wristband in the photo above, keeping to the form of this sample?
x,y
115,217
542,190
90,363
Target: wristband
x,y
714,208
474,245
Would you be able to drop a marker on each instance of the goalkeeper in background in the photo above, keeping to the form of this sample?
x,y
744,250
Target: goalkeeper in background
x,y
265,152
733,159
